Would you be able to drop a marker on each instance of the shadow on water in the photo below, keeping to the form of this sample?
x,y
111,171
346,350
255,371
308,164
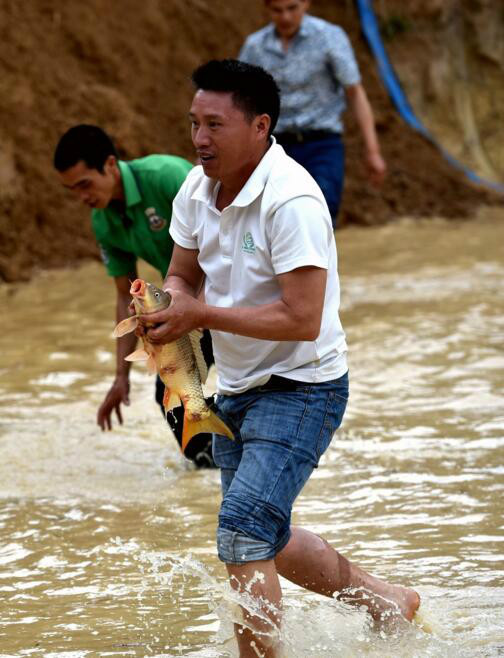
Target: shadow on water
x,y
107,540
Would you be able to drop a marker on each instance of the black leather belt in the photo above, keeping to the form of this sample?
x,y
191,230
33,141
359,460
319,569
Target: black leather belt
x,y
301,136
277,383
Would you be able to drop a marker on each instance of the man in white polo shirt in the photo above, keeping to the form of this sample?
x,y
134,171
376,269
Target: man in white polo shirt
x,y
254,225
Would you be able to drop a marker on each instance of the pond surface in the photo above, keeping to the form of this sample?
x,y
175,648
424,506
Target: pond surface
x,y
107,539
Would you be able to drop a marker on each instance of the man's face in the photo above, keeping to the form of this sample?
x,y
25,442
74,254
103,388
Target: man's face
x,y
92,187
287,15
226,140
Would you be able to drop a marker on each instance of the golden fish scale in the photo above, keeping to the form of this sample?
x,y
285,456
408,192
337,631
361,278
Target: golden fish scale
x,y
176,364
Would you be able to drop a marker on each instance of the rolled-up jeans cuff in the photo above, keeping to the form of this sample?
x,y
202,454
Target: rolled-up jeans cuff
x,y
236,548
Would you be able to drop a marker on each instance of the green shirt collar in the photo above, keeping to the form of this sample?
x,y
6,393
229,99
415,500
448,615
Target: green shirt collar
x,y
131,191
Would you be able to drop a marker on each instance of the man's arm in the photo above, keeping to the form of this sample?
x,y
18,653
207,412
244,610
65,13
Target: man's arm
x,y
184,272
119,391
297,315
363,113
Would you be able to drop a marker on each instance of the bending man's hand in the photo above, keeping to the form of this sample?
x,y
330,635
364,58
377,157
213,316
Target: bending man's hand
x,y
184,314
118,393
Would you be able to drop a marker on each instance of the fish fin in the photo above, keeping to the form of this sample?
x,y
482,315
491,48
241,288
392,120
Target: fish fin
x,y
125,327
211,423
170,399
195,337
138,355
151,364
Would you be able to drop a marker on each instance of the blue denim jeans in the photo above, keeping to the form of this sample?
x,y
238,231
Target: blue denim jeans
x,y
280,436
324,159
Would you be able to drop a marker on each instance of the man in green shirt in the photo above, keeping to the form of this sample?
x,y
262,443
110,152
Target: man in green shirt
x,y
131,211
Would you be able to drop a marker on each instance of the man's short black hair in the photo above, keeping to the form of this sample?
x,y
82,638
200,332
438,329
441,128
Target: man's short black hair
x,y
253,89
83,142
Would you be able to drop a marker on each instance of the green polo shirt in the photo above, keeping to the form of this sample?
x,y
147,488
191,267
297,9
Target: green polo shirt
x,y
139,227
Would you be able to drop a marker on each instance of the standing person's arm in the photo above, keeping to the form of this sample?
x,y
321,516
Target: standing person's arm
x,y
343,64
119,391
361,108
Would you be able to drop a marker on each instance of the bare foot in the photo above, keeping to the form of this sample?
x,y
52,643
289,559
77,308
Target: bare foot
x,y
393,601
410,602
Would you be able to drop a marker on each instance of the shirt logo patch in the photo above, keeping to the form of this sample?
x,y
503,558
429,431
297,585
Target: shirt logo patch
x,y
248,245
156,223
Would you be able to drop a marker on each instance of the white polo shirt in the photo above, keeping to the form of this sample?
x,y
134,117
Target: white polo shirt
x,y
278,222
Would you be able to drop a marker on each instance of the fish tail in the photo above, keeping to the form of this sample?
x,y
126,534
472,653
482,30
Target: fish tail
x,y
211,423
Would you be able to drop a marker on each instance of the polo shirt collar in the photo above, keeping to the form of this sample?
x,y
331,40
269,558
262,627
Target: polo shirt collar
x,y
257,180
207,189
131,192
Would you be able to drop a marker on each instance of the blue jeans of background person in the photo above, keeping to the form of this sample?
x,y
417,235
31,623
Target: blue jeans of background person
x,y
324,159
281,430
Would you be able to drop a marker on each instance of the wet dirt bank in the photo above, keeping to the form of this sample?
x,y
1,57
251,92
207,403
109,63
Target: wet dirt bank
x,y
126,68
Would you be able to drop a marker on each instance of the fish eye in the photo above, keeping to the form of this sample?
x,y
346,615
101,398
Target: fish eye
x,y
156,294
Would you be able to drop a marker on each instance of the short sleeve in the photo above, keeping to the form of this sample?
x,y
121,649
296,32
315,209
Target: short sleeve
x,y
181,228
171,177
116,261
342,57
301,235
245,54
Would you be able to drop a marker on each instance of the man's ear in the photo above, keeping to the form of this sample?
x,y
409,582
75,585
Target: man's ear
x,y
263,123
110,164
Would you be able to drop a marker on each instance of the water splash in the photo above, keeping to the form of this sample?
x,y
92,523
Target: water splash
x,y
312,627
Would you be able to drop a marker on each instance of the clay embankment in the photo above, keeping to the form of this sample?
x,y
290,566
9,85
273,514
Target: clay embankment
x,y
125,66
449,55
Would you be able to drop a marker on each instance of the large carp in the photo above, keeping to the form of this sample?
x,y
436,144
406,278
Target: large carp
x,y
180,365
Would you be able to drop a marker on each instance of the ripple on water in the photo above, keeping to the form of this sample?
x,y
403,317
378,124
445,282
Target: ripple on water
x,y
107,540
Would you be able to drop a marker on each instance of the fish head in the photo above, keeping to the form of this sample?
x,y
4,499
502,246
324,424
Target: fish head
x,y
148,298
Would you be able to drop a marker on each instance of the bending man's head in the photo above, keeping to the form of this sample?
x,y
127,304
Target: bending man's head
x,y
86,160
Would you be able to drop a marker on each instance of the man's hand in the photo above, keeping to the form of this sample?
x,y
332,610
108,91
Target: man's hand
x,y
184,314
118,393
376,167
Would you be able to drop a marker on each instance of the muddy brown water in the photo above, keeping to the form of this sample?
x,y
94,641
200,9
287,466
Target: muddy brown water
x,y
107,539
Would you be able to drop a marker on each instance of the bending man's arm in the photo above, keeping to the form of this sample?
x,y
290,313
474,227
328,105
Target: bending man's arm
x,y
296,315
119,391
363,113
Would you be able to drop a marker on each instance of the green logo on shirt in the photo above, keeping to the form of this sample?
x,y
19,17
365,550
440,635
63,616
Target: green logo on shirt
x,y
248,245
